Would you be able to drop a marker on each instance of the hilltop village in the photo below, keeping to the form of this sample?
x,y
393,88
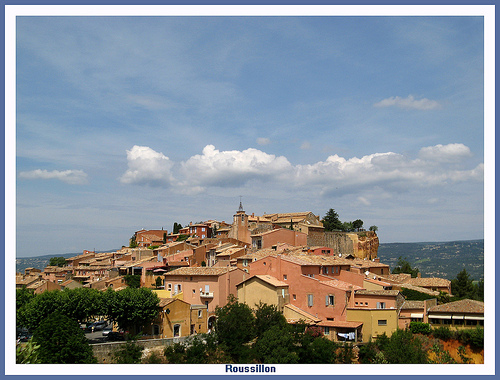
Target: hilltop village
x,y
332,280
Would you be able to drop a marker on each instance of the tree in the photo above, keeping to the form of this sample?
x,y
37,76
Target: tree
x,y
347,227
276,346
130,353
132,308
404,348
235,327
62,341
374,228
23,296
57,261
164,237
133,280
462,286
267,316
158,282
133,242
28,353
405,267
176,228
331,221
357,224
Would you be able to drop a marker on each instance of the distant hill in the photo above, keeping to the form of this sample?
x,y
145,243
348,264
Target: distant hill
x,y
443,259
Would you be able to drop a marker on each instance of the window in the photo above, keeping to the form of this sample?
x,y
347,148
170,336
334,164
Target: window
x,y
327,330
169,287
177,330
203,230
330,300
380,305
156,330
309,300
200,313
284,277
245,262
382,322
295,297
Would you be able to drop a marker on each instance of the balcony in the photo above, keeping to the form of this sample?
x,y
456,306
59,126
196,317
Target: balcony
x,y
206,294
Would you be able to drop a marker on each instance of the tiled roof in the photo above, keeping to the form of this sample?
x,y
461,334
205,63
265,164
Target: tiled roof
x,y
399,277
419,289
429,282
271,280
391,293
413,305
345,324
462,306
301,312
341,285
201,271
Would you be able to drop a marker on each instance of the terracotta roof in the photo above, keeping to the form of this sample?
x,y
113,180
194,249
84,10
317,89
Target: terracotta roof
x,y
462,306
429,282
266,278
301,312
345,324
341,284
391,293
419,289
399,277
201,271
413,305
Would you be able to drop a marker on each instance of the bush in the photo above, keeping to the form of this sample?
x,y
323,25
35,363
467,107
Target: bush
x,y
443,333
420,328
472,337
130,353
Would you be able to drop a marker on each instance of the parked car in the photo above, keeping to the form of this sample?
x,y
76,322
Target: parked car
x,y
106,331
115,336
97,326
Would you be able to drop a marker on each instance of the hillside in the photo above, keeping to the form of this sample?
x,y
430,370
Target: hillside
x,y
443,259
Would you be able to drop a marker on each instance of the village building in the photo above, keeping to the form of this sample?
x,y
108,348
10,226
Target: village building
x,y
461,314
415,311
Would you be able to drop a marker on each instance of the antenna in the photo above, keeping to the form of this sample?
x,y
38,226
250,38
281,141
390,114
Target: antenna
x,y
241,206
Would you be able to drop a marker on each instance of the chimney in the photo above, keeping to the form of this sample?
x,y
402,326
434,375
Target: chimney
x,y
419,275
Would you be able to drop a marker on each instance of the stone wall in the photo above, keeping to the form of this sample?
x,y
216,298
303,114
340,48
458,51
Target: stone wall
x,y
362,244
104,351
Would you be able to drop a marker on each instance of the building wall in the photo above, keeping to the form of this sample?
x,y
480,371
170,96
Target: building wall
x,y
199,320
370,301
254,291
371,325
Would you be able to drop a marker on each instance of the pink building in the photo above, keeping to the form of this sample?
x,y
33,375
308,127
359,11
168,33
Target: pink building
x,y
281,235
209,286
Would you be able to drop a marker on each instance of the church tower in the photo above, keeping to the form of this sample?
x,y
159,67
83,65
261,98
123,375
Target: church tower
x,y
239,229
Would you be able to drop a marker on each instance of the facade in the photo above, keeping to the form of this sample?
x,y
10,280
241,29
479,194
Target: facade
x,y
208,286
461,314
415,311
240,228
375,321
281,235
265,289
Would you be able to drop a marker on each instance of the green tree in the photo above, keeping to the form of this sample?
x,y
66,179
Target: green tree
x,y
133,242
374,228
267,316
23,296
129,353
158,282
357,224
176,228
347,227
133,280
164,237
331,221
276,346
132,308
405,267
57,261
462,286
405,348
62,341
234,328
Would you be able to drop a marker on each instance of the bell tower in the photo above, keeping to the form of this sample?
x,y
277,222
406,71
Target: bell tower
x,y
239,229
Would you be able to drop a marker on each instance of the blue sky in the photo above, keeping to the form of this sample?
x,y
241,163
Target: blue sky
x,y
126,123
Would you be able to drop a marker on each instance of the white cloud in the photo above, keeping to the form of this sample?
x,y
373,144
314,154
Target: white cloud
x,y
233,168
445,153
263,141
408,103
146,166
72,177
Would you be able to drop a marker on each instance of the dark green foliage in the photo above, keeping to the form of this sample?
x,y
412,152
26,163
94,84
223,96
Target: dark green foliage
x,y
158,282
404,348
405,267
463,287
420,328
164,237
153,358
129,353
132,307
317,350
23,296
471,337
176,228
62,341
345,354
367,353
234,327
442,332
57,261
382,342
374,228
133,280
331,221
133,242
357,224
182,237
175,353
276,345
267,316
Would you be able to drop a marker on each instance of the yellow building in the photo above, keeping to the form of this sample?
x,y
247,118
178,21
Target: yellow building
x,y
265,289
375,321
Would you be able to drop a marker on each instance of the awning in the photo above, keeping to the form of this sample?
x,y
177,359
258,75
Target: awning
x,y
458,317
475,317
416,315
446,316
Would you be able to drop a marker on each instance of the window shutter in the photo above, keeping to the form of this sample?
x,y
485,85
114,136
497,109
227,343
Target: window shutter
x,y
326,300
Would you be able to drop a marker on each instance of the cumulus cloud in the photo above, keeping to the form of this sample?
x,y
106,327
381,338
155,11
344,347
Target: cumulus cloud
x,y
408,103
445,153
387,172
72,177
233,168
263,141
146,166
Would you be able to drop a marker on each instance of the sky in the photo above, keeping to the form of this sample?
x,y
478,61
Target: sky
x,y
124,123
